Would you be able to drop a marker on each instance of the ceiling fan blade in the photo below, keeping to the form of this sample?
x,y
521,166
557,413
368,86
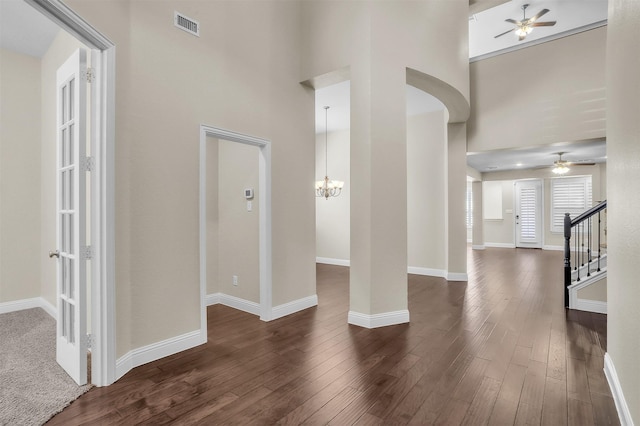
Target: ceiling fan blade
x,y
583,164
506,32
542,12
513,21
544,24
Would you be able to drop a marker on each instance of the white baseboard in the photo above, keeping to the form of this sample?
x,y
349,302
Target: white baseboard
x,y
293,307
158,350
554,248
378,320
233,302
596,306
478,247
500,245
616,391
34,302
441,273
457,276
330,261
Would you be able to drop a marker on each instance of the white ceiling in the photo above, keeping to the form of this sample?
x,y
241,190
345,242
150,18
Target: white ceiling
x,y
571,15
338,99
594,151
25,30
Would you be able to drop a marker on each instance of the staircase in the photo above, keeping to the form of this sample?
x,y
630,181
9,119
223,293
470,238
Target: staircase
x,y
585,260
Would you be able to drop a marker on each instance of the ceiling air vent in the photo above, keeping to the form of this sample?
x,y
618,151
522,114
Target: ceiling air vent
x,y
186,24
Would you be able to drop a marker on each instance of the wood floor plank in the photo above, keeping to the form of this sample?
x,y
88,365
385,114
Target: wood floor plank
x,y
498,349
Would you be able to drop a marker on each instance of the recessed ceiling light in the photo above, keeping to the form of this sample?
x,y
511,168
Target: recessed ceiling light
x,y
519,165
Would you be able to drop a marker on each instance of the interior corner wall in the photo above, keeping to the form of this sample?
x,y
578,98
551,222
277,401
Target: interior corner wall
x,y
623,191
548,93
20,250
61,48
333,215
242,74
502,231
238,228
426,187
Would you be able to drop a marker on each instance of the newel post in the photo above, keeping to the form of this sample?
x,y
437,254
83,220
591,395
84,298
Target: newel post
x,y
567,258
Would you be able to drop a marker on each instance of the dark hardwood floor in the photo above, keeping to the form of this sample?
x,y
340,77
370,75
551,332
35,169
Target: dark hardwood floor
x,y
500,349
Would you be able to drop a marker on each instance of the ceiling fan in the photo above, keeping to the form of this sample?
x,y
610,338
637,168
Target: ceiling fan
x,y
561,166
524,27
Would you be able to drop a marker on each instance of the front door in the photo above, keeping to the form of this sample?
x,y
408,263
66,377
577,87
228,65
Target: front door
x,y
71,345
528,214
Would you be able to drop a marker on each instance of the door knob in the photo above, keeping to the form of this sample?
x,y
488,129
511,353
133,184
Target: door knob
x,y
54,254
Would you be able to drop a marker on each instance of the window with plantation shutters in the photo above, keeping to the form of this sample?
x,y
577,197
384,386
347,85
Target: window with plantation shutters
x,y
569,195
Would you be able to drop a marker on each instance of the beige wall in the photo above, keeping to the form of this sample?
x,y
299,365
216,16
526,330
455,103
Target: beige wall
x,y
333,215
20,250
61,48
238,229
623,190
502,231
552,92
241,74
596,291
426,188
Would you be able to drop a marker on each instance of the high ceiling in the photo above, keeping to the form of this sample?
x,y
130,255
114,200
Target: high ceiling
x,y
571,16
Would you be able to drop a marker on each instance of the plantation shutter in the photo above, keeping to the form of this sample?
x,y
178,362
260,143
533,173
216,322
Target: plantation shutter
x,y
528,213
569,195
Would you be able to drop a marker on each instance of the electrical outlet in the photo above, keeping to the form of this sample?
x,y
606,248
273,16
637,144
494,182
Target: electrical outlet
x,y
235,280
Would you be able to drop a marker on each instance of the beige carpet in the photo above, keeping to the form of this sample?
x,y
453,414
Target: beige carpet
x,y
33,387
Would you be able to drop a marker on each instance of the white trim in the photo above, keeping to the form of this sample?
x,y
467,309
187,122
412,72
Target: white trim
x,y
34,302
441,273
378,320
478,247
616,391
212,299
264,198
330,261
469,240
457,276
553,248
500,245
294,306
156,351
587,305
103,365
539,41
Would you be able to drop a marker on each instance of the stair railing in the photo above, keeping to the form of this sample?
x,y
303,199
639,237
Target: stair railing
x,y
581,227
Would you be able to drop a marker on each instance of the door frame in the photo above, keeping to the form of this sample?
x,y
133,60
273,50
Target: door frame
x,y
516,209
103,55
264,218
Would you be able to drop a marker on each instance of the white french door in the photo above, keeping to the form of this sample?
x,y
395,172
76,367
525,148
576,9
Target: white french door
x,y
71,345
528,214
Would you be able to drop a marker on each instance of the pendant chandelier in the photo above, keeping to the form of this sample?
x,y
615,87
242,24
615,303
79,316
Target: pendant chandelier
x,y
327,188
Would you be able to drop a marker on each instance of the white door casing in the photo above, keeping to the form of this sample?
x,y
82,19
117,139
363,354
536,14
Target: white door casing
x,y
528,213
71,347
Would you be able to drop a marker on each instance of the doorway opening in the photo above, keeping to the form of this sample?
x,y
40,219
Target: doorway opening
x,y
215,143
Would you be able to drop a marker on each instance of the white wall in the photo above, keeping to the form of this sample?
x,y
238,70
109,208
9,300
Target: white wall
x,y
502,231
333,214
426,189
20,250
549,93
241,74
425,194
238,229
623,190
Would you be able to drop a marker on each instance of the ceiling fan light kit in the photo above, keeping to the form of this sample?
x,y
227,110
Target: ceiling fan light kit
x,y
525,26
